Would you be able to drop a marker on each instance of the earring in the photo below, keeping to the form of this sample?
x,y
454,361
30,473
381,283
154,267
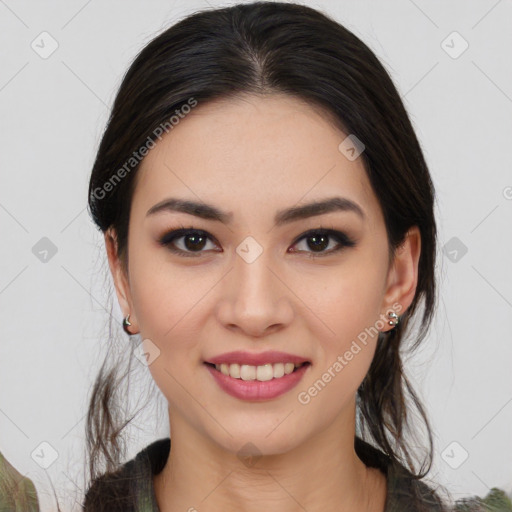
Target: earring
x,y
126,324
393,318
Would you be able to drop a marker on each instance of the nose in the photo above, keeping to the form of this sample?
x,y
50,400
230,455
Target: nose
x,y
255,300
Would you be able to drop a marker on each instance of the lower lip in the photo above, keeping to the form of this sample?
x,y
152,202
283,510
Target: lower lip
x,y
255,390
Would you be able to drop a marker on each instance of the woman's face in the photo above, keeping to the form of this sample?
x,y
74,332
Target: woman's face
x,y
253,280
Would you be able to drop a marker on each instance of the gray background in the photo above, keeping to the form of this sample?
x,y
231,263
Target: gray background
x,y
53,306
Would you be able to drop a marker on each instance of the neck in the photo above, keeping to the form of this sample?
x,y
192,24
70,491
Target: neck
x,y
323,474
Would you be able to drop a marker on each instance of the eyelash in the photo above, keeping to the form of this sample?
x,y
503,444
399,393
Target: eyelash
x,y
170,237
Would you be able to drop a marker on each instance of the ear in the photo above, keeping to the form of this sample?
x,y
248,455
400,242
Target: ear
x,y
402,276
120,278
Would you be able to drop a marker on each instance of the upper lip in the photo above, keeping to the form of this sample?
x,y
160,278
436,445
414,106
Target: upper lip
x,y
256,359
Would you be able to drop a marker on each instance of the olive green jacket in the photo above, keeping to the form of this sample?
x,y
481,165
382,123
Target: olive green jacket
x,y
130,489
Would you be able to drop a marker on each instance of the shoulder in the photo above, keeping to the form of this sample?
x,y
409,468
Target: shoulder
x,y
405,492
130,488
495,501
17,492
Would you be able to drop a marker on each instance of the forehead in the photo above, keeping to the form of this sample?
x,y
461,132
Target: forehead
x,y
253,152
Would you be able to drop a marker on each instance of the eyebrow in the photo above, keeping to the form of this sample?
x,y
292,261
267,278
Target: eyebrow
x,y
286,216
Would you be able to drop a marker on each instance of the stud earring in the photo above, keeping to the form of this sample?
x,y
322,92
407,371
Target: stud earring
x,y
393,318
126,324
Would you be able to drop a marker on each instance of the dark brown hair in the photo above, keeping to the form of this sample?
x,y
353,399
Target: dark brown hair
x,y
261,48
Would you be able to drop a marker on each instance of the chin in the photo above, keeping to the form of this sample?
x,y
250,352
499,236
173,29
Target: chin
x,y
258,442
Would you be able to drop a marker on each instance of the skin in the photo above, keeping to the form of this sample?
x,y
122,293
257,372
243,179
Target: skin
x,y
253,156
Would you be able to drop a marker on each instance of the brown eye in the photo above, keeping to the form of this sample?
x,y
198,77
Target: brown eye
x,y
317,241
186,242
195,241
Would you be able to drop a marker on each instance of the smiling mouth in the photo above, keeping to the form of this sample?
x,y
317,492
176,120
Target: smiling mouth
x,y
260,373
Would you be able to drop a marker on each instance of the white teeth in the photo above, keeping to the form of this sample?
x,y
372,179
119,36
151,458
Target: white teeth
x,y
261,373
265,372
278,370
247,372
234,370
288,368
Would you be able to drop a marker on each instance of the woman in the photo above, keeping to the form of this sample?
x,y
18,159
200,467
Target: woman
x,y
268,220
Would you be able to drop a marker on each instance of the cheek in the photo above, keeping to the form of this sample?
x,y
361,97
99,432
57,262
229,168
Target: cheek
x,y
346,340
164,296
348,307
168,308
348,302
